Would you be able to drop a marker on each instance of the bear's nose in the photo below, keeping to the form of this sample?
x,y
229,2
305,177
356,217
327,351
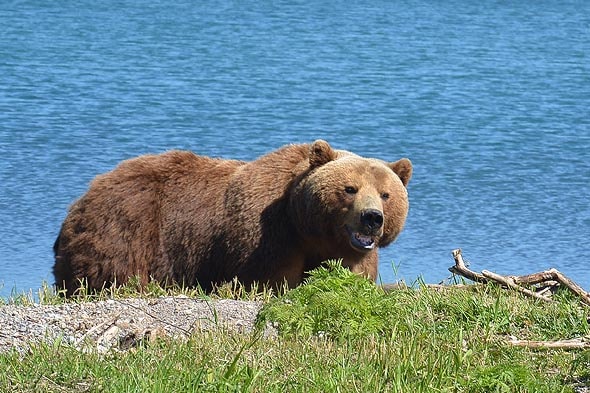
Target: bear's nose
x,y
372,218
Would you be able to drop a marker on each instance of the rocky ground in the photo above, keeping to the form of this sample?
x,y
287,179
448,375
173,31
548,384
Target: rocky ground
x,y
123,323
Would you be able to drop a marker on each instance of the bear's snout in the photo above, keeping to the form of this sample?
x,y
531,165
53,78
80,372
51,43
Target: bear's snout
x,y
372,219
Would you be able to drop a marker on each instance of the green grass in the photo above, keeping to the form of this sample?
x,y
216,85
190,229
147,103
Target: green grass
x,y
47,294
340,333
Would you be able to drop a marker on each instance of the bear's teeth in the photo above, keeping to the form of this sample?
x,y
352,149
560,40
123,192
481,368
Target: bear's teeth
x,y
365,241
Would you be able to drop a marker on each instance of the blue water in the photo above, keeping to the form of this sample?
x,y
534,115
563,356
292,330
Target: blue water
x,y
490,100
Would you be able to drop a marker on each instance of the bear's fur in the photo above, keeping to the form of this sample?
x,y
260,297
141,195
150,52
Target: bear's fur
x,y
182,218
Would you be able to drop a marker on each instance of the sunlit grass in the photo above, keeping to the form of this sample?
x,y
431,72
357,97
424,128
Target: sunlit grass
x,y
48,294
338,333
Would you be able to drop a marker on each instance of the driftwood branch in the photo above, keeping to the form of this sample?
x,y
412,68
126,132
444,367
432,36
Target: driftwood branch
x,y
562,344
575,288
535,278
550,279
509,282
461,269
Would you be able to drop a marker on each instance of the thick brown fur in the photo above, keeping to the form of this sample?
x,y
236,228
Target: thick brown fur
x,y
182,218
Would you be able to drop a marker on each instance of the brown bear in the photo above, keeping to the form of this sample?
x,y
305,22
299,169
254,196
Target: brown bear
x,y
182,218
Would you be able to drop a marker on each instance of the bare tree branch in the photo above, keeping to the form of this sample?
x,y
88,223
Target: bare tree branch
x,y
550,279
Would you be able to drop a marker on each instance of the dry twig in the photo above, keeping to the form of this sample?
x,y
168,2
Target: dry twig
x,y
509,282
461,269
562,344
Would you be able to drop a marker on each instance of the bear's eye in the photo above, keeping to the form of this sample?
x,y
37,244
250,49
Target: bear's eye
x,y
385,196
350,190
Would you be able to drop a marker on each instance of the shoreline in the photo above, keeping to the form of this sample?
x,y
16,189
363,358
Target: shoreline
x,y
122,324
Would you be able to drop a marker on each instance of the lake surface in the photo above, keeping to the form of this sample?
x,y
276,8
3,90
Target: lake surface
x,y
490,101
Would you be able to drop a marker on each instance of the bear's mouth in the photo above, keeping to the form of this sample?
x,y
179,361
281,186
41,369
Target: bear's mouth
x,y
361,242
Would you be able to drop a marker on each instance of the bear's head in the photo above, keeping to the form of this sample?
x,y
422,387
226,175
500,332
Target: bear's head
x,y
353,203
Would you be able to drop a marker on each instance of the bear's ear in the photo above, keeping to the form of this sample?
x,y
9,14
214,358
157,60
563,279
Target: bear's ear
x,y
320,153
403,169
